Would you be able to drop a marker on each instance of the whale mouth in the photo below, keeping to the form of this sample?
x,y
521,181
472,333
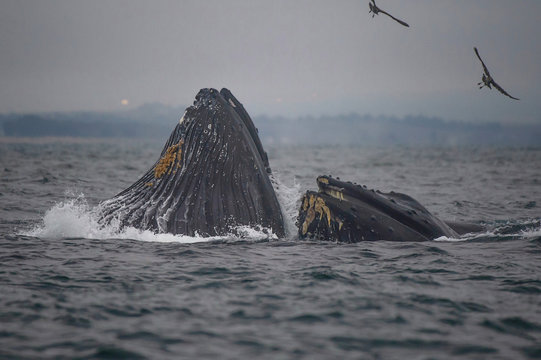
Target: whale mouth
x,y
212,176
347,212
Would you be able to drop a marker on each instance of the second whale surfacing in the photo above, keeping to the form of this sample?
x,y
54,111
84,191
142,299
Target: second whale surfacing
x,y
345,212
211,178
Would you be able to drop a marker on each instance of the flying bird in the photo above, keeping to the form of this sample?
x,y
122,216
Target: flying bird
x,y
487,80
376,10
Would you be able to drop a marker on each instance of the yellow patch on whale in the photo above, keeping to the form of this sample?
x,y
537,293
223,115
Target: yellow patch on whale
x,y
321,208
172,154
315,205
337,194
305,204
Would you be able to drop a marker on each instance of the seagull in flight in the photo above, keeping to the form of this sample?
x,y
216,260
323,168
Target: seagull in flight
x,y
487,80
376,10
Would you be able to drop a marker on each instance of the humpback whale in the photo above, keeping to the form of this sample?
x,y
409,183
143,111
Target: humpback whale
x,y
345,212
212,176
487,80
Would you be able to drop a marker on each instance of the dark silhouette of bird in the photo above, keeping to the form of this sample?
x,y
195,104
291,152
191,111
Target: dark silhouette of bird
x,y
487,79
376,10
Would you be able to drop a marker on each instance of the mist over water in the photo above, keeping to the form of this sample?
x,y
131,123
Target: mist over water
x,y
72,289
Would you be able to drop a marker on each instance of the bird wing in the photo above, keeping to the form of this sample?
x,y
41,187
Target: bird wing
x,y
482,62
500,89
374,2
395,19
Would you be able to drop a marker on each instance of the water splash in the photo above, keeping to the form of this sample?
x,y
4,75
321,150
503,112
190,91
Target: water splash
x,y
510,230
72,218
75,218
289,198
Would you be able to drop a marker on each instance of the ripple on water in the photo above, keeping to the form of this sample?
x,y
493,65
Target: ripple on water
x,y
368,344
419,280
147,336
520,324
515,326
478,278
114,352
208,285
462,350
124,311
532,352
75,321
365,253
450,304
214,271
307,319
328,274
436,250
244,315
529,287
428,270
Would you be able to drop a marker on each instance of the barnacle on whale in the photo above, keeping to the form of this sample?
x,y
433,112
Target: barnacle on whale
x,y
173,153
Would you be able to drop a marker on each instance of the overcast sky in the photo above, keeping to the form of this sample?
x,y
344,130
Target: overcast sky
x,y
279,57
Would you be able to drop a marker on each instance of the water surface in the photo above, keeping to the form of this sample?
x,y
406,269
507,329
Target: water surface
x,y
73,290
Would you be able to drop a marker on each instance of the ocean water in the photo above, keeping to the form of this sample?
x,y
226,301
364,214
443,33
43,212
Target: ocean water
x,y
70,289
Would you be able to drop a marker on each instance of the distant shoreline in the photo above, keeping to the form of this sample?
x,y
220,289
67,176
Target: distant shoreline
x,y
351,129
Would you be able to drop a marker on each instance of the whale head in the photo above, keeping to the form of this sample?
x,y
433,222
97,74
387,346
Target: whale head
x,y
211,177
345,212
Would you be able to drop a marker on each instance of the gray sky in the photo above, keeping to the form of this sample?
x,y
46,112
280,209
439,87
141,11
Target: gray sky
x,y
279,57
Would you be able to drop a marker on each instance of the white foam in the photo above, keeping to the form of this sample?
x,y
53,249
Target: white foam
x,y
74,218
523,234
289,199
71,218
448,239
531,233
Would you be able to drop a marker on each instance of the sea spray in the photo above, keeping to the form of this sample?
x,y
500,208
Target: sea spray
x,y
72,218
289,198
75,218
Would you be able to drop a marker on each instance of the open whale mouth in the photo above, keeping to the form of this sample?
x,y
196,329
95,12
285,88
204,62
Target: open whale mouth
x,y
347,212
212,176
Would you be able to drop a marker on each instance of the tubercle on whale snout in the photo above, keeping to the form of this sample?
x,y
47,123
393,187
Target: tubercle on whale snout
x,y
206,97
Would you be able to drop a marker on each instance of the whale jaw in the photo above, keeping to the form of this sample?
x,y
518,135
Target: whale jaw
x,y
212,177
